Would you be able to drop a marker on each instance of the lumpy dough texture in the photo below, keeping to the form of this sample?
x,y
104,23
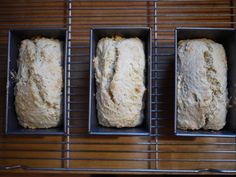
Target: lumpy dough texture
x,y
202,85
38,89
119,71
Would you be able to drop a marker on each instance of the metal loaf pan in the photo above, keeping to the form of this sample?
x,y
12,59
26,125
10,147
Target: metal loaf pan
x,y
226,37
143,33
14,40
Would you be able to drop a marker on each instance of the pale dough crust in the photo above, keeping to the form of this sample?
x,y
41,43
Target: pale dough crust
x,y
119,70
38,90
202,85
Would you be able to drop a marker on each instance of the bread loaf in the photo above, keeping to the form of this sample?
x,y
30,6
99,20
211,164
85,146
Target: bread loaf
x,y
38,89
202,85
119,71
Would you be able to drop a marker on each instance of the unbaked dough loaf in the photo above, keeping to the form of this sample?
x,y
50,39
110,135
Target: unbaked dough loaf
x,y
119,71
202,85
38,90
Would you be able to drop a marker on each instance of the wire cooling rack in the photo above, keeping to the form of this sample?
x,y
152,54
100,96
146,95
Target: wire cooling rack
x,y
161,152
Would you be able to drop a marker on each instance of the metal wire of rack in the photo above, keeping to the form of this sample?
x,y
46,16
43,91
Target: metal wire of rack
x,y
161,152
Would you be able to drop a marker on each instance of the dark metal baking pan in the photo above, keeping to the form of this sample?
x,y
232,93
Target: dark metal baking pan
x,y
143,33
14,40
226,37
